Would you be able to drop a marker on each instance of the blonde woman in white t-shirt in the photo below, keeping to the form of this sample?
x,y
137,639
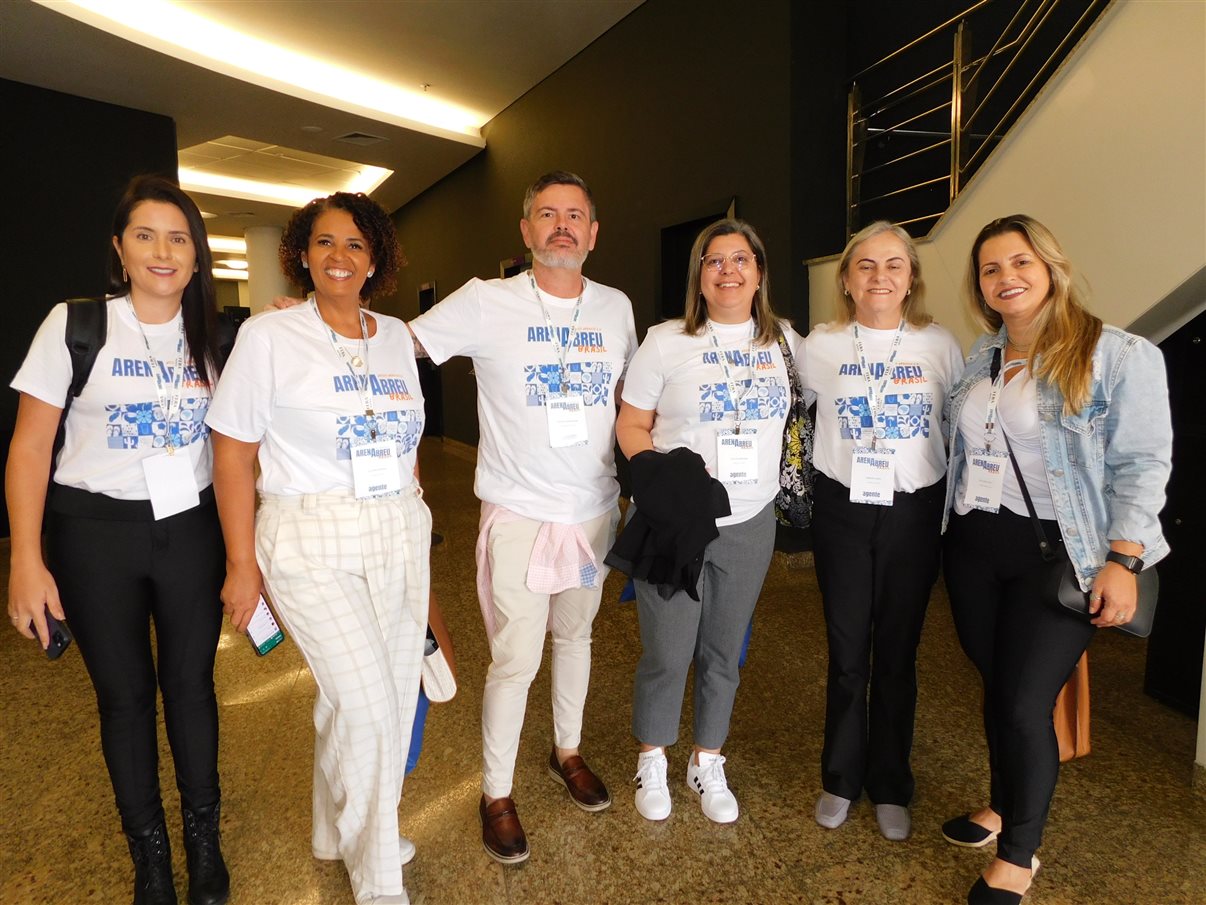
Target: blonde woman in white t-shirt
x,y
325,397
880,374
131,528
715,383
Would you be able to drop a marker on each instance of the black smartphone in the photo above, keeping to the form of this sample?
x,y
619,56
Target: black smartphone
x,y
60,638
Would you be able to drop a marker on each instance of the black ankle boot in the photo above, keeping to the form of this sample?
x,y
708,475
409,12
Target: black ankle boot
x,y
152,856
208,880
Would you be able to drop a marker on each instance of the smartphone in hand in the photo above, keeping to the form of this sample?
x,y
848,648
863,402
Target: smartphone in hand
x,y
60,638
262,630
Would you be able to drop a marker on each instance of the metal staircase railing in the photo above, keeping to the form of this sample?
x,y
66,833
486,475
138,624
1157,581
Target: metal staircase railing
x,y
923,119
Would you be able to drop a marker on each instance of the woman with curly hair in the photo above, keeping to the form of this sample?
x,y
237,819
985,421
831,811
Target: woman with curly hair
x,y
326,397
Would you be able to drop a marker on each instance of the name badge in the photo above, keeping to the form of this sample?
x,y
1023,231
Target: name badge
x,y
872,476
985,478
737,456
171,482
567,421
375,469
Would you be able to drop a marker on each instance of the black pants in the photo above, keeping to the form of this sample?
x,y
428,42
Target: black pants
x,y
1025,649
875,566
116,569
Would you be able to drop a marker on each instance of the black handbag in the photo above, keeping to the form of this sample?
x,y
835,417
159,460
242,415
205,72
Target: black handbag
x,y
1060,583
793,503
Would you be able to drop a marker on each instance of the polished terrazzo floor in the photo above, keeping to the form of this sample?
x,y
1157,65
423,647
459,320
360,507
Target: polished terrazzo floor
x,y
1124,828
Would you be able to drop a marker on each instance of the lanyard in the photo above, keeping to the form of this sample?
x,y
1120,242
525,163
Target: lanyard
x,y
166,404
562,349
994,395
728,377
362,383
875,398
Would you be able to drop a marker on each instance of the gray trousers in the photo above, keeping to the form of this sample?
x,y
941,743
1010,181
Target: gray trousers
x,y
678,631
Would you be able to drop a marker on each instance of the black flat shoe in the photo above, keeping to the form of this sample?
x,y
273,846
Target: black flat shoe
x,y
983,894
967,833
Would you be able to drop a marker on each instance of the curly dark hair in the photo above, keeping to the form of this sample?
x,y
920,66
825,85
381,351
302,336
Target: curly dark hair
x,y
369,218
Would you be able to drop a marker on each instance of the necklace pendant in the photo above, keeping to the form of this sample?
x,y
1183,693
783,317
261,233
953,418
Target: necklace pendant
x,y
357,361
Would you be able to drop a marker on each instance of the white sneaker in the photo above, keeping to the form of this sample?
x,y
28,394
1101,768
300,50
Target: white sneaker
x,y
652,793
403,899
707,779
406,849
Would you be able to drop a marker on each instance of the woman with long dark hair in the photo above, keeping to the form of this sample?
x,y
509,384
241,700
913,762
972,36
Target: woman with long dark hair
x,y
132,529
1080,410
325,397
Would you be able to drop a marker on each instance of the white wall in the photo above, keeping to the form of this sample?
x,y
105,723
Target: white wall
x,y
1112,157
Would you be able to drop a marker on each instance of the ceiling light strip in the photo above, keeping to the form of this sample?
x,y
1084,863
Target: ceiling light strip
x,y
178,32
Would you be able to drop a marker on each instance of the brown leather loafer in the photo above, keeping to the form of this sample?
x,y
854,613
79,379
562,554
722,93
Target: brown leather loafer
x,y
586,789
502,834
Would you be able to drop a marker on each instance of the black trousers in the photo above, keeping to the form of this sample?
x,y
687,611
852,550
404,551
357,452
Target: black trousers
x,y
117,569
1025,649
875,566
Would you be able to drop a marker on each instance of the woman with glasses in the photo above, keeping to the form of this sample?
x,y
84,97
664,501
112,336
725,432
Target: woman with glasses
x,y
1081,409
880,374
715,383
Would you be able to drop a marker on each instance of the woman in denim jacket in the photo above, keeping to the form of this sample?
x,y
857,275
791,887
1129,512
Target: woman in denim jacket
x,y
1085,409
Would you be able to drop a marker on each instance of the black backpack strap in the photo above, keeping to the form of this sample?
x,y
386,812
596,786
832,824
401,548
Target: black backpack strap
x,y
87,326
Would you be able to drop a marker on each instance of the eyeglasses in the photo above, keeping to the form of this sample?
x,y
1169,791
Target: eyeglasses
x,y
739,259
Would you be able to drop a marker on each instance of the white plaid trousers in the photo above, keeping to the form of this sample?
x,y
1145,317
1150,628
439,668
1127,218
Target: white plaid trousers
x,y
350,580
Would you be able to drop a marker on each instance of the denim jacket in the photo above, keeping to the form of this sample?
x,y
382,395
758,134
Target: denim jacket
x,y
1107,464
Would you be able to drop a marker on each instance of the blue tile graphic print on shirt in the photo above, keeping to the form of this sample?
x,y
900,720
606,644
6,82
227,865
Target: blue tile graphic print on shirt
x,y
906,415
589,379
767,398
405,426
141,425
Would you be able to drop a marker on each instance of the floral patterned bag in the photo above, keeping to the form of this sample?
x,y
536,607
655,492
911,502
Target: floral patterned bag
x,y
793,504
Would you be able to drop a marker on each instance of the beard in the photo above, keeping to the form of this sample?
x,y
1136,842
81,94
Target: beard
x,y
567,258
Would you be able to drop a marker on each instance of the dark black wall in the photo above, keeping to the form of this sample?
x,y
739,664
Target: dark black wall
x,y
675,111
68,160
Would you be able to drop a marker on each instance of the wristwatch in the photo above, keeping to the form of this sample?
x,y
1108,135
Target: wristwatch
x,y
1130,563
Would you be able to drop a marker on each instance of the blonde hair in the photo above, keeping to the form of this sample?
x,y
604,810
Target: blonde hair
x,y
1065,332
913,309
695,308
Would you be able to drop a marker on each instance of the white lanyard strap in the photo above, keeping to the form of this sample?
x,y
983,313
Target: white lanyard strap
x,y
561,349
875,398
361,381
994,395
169,405
728,376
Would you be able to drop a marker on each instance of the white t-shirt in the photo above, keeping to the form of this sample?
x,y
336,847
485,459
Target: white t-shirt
x,y
117,420
499,324
927,365
1017,415
286,388
681,378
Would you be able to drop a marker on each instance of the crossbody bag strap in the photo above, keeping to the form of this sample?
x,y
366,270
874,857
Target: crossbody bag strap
x,y
1041,536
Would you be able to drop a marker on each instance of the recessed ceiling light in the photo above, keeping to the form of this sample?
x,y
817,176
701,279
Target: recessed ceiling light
x,y
224,273
228,245
232,263
180,32
311,128
208,215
